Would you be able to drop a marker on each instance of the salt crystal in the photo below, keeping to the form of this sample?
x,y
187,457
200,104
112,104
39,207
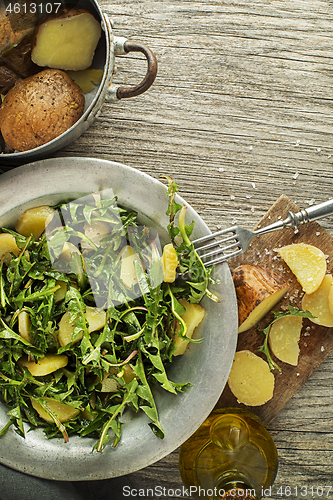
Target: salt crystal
x,y
297,374
296,174
232,197
318,233
221,169
253,184
251,147
312,201
322,348
318,149
248,196
252,209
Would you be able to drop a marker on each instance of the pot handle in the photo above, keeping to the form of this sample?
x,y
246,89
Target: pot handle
x,y
123,47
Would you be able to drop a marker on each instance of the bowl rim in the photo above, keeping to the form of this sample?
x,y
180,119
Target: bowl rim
x,y
53,459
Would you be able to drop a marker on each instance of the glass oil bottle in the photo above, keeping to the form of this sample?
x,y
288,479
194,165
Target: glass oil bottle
x,y
231,456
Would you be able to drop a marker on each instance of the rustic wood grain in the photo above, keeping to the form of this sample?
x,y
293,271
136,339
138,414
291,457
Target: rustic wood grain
x,y
240,113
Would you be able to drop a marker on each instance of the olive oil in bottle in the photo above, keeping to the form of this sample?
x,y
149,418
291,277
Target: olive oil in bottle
x,y
231,456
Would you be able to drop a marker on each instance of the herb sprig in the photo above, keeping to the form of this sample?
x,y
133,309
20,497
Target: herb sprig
x,y
264,348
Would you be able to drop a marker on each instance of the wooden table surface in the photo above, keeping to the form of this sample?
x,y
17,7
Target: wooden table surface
x,y
240,113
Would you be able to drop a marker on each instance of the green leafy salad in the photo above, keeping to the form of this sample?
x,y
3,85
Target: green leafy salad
x,y
88,321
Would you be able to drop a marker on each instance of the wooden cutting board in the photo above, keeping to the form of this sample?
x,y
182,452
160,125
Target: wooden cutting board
x,y
316,342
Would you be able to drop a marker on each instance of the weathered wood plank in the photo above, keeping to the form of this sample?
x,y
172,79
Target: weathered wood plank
x,y
243,95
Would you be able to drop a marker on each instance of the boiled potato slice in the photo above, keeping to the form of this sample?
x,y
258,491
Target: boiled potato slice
x,y
87,78
67,41
24,325
193,316
96,320
62,411
46,365
308,263
169,263
109,384
283,338
8,246
67,250
60,294
251,380
128,373
330,299
318,303
127,271
34,221
258,290
95,232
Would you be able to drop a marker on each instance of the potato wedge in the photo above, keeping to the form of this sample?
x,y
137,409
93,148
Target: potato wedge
x,y
307,262
8,246
34,221
127,272
318,303
60,294
96,320
46,365
62,411
250,379
24,325
193,316
169,263
258,290
95,232
87,78
283,338
67,41
67,251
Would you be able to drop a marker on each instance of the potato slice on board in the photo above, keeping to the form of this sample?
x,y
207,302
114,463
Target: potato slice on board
x,y
318,303
307,262
258,290
283,338
251,380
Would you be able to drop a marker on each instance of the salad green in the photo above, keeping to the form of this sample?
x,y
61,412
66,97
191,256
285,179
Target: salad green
x,y
137,337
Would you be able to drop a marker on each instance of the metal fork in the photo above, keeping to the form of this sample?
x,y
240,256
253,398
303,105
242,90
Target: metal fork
x,y
239,239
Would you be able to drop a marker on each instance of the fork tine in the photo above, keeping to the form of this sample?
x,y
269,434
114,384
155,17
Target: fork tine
x,y
209,237
223,258
216,243
221,250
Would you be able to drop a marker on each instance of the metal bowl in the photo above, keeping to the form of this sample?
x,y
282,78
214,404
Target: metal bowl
x,y
108,48
205,365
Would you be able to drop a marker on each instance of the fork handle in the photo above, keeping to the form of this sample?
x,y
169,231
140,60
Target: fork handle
x,y
294,220
312,213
